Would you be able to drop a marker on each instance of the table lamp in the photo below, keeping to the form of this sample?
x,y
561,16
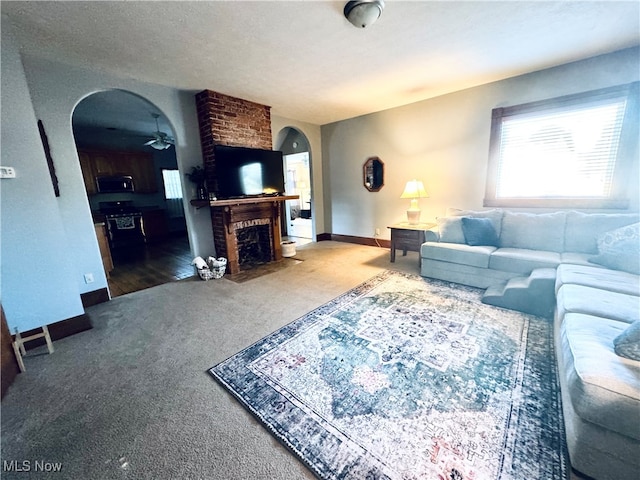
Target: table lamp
x,y
414,190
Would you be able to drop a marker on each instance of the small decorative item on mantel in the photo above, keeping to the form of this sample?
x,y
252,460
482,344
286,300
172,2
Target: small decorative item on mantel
x,y
199,177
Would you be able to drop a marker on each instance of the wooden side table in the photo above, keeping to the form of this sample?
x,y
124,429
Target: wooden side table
x,y
408,238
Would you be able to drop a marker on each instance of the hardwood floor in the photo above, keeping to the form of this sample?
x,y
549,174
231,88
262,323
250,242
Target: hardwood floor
x,y
151,265
158,263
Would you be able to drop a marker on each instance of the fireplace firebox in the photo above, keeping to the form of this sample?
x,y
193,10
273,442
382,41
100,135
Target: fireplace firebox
x,y
254,245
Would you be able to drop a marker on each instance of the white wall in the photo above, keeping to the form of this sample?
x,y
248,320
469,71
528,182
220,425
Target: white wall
x,y
312,132
445,143
37,277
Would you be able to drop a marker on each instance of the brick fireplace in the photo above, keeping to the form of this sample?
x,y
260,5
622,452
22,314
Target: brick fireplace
x,y
246,232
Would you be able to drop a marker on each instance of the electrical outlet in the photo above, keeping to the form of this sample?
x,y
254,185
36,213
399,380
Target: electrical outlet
x,y
88,278
377,232
7,172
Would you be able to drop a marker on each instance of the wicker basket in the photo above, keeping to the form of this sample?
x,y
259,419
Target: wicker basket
x,y
217,266
205,273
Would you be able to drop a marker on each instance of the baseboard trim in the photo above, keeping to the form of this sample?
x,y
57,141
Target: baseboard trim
x,y
371,242
94,297
61,329
323,237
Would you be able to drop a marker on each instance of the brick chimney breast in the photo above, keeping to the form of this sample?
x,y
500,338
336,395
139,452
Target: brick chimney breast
x,y
226,120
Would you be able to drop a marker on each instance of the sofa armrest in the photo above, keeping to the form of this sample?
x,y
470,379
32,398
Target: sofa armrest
x,y
432,235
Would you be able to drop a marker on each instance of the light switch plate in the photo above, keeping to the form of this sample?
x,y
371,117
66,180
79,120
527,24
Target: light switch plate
x,y
7,172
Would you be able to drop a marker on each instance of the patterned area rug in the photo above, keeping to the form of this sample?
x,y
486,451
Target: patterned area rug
x,y
407,378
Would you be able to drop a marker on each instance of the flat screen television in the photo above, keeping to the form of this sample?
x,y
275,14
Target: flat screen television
x,y
243,172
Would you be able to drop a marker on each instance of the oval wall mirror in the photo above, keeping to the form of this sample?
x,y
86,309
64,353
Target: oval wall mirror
x,y
373,174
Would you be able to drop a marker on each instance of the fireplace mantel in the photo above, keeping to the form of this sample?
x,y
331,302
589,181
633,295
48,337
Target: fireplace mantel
x,y
242,201
232,214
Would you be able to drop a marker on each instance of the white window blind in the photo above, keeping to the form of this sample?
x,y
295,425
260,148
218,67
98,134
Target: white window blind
x,y
574,151
172,186
570,153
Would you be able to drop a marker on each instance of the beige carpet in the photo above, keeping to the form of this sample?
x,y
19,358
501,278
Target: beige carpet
x,y
131,398
258,271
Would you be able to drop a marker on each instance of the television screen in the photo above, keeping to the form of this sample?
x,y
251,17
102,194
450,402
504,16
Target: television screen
x,y
245,171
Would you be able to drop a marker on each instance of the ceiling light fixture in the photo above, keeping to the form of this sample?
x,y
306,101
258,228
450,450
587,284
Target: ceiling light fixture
x,y
362,13
161,140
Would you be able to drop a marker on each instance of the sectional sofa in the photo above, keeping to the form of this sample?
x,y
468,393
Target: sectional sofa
x,y
581,270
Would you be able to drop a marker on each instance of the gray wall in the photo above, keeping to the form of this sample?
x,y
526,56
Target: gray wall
x,y
38,277
445,143
48,243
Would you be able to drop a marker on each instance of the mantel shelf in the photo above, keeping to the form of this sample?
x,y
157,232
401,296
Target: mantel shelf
x,y
242,201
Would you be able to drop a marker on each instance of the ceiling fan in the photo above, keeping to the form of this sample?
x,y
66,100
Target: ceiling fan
x,y
161,140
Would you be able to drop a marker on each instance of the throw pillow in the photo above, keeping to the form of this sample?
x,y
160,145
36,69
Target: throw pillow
x,y
450,229
479,231
620,249
627,344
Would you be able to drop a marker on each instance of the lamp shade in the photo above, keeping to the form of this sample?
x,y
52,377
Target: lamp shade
x,y
414,189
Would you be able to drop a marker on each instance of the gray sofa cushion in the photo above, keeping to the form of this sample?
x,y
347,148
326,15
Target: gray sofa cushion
x,y
533,231
623,262
457,253
627,344
450,229
597,302
583,229
602,278
577,259
604,387
522,261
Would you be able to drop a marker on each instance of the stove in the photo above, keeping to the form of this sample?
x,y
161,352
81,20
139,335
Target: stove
x,y
122,207
124,224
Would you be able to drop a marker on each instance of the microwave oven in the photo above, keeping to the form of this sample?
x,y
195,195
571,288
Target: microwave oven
x,y
115,184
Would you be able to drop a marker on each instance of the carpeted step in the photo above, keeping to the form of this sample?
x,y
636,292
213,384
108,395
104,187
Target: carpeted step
x,y
533,294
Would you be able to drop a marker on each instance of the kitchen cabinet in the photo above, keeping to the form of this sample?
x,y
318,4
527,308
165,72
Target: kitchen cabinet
x,y
138,165
103,244
106,163
88,173
142,171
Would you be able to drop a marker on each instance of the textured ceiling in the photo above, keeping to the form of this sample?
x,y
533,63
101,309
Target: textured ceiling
x,y
307,62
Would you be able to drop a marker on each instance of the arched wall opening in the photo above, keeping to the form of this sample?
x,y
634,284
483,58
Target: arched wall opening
x,y
299,217
127,153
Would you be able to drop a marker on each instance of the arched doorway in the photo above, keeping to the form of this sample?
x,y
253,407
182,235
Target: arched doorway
x,y
298,221
130,171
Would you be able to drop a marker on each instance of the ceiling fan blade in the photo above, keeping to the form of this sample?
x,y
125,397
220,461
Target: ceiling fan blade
x,y
151,141
158,144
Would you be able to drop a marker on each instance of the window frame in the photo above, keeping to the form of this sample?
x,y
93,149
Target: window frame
x,y
164,187
627,150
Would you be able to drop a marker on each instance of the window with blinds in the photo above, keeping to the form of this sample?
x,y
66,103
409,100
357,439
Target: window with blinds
x,y
563,152
172,185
